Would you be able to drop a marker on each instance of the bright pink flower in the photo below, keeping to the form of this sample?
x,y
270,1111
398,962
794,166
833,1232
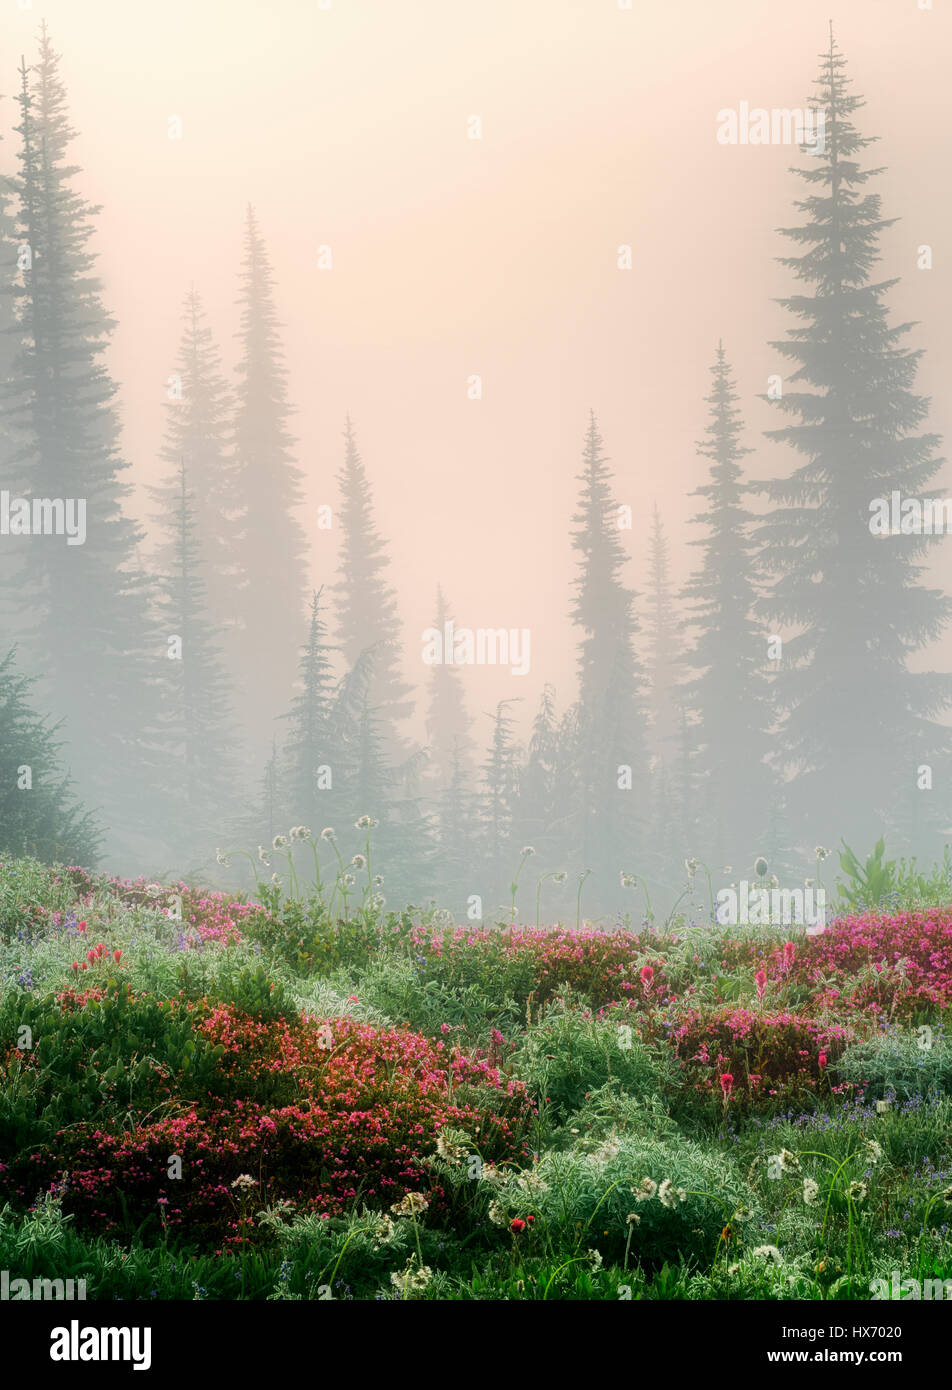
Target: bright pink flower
x,y
116,955
821,1060
761,981
727,1083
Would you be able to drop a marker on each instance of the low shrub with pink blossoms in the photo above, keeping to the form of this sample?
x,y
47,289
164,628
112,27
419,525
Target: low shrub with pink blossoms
x,y
897,966
538,961
769,1057
319,1112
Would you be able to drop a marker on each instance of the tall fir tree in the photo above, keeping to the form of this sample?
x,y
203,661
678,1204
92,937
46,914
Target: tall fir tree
x,y
663,644
367,603
860,726
199,415
537,809
308,749
456,813
613,779
90,637
369,784
197,733
729,695
270,545
448,737
449,781
9,329
500,787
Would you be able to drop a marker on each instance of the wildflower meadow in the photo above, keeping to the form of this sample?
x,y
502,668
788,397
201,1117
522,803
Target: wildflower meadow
x,y
257,1098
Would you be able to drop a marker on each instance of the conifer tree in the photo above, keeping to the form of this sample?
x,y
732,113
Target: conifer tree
x,y
449,743
729,695
199,414
368,784
456,815
270,548
612,768
499,792
197,736
309,745
8,349
662,645
859,724
38,813
366,603
89,632
536,809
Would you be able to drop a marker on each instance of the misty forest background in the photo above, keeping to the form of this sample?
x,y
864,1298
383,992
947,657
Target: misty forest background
x,y
151,764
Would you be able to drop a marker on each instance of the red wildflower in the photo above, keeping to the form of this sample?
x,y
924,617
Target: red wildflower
x,y
517,1225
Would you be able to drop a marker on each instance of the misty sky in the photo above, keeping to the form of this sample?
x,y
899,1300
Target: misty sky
x,y
347,127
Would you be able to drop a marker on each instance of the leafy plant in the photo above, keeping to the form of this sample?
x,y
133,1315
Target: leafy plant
x,y
867,884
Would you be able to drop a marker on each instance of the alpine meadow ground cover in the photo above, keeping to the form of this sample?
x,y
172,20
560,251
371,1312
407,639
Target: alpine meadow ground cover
x,y
306,1096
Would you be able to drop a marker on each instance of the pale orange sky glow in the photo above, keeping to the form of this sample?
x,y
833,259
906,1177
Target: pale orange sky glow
x,y
496,257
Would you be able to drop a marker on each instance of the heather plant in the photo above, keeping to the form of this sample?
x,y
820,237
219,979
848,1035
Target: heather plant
x,y
743,1058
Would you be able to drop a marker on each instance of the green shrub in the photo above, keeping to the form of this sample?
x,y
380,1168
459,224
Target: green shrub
x,y
692,1193
901,1063
568,1052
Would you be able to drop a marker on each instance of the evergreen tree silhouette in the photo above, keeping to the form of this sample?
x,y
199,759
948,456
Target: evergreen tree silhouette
x,y
499,786
38,813
859,724
89,634
197,735
449,741
9,329
199,415
609,814
729,695
663,645
270,543
367,604
309,744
